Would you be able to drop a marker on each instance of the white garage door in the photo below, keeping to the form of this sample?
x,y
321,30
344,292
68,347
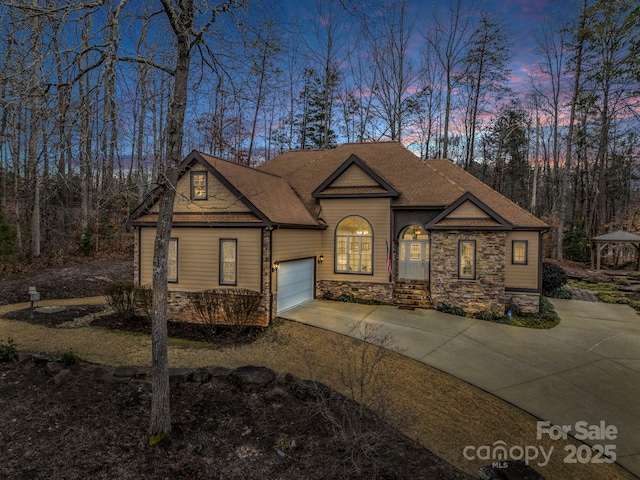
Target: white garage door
x,y
295,283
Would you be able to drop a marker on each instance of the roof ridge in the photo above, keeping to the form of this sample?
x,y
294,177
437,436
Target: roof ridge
x,y
487,188
455,184
322,152
253,169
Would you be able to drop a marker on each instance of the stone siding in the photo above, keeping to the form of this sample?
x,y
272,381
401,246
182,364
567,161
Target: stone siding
x,y
487,291
268,305
136,256
179,309
381,292
528,302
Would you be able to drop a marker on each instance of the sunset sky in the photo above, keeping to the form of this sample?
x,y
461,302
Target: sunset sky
x,y
523,18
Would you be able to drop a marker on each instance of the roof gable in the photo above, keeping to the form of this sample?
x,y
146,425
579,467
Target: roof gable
x,y
219,197
242,190
354,178
469,212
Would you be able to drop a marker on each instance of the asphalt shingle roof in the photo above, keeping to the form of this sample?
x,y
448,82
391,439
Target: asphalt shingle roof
x,y
270,194
431,183
619,236
281,190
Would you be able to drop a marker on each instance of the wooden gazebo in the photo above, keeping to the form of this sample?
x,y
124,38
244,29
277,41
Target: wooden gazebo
x,y
614,237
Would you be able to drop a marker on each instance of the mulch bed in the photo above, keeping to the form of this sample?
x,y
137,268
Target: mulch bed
x,y
218,335
70,313
88,429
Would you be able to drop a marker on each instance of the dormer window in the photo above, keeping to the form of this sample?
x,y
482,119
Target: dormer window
x,y
198,185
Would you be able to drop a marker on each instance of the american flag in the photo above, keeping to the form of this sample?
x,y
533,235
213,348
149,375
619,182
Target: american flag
x,y
388,258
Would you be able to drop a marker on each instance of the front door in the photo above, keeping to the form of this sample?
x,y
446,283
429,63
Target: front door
x,y
414,260
413,253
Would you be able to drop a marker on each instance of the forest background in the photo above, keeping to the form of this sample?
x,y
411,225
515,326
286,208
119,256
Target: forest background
x,y
85,88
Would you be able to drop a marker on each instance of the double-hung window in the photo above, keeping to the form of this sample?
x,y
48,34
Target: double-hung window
x,y
519,252
467,259
172,261
354,246
198,185
228,261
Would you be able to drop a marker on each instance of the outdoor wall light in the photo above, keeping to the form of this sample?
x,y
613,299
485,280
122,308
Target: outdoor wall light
x,y
321,259
276,264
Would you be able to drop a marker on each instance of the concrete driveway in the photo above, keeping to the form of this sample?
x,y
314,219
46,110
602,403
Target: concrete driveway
x,y
587,369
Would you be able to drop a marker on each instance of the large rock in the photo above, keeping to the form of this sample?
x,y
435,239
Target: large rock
x,y
50,310
42,358
201,375
111,378
219,372
126,371
180,375
252,378
53,368
62,377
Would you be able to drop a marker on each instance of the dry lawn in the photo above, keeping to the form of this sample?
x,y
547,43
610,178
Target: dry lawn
x,y
442,413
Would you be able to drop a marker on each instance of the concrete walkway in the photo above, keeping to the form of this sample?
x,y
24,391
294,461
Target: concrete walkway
x,y
587,369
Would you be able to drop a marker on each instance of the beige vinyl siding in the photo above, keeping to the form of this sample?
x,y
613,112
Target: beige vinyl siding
x,y
219,198
377,212
522,276
468,210
199,257
354,176
289,244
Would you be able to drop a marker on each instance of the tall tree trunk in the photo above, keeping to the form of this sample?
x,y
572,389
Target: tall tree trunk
x,y
182,23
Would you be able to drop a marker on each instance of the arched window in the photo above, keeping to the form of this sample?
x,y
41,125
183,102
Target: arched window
x,y
354,246
414,232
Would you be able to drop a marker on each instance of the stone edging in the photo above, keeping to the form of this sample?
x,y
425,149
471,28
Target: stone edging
x,y
249,378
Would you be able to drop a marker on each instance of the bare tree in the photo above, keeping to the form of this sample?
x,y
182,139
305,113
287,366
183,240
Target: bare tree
x,y
395,75
181,15
552,48
577,74
263,51
449,37
485,77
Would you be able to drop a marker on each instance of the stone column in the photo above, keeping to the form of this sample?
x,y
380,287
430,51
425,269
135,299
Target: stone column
x,y
267,304
487,290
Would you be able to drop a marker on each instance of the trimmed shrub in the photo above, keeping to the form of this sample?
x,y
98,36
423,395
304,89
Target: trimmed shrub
x,y
553,278
121,297
350,298
328,295
8,351
241,306
232,307
207,305
69,358
450,309
490,316
144,300
562,293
